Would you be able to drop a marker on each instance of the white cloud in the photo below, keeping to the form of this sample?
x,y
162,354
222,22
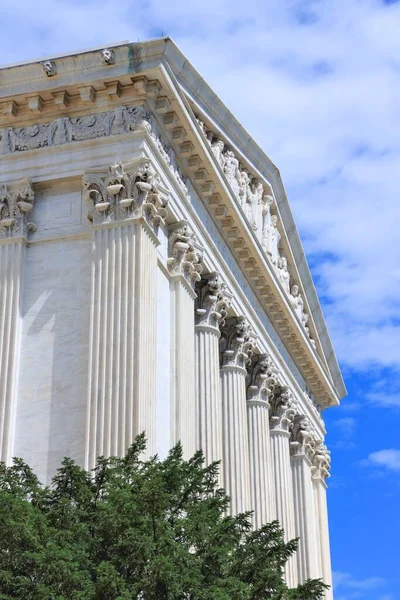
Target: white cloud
x,y
353,587
316,84
388,459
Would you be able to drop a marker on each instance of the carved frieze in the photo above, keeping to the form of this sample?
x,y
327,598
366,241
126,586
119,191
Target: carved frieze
x,y
263,379
65,130
16,205
185,255
121,195
212,302
237,343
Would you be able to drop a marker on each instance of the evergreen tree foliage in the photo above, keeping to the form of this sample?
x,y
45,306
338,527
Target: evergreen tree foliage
x,y
135,529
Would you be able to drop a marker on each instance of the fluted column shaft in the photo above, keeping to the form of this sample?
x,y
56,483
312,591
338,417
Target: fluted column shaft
x,y
235,438
184,384
122,376
261,471
323,535
305,518
208,393
212,303
284,493
12,252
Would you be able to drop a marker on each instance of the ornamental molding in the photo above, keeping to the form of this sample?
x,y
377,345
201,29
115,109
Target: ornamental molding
x,y
16,204
185,255
212,302
283,410
123,196
237,343
263,379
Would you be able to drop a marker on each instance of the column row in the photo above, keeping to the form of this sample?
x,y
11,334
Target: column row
x,y
271,461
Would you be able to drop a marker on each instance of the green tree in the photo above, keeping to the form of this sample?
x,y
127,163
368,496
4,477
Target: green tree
x,y
135,529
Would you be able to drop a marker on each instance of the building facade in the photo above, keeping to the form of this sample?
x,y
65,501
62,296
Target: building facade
x,y
152,278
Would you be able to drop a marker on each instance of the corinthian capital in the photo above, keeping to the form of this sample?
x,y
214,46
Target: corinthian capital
x,y
16,204
302,440
237,343
283,410
185,256
121,195
212,302
321,461
263,379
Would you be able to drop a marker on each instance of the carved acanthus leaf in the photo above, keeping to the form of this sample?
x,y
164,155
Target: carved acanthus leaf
x,y
185,255
121,196
237,342
321,461
16,204
263,378
302,440
213,301
283,410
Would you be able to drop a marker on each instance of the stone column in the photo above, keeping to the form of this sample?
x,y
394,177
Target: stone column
x,y
211,309
320,471
185,266
282,415
237,349
16,204
263,380
302,449
126,210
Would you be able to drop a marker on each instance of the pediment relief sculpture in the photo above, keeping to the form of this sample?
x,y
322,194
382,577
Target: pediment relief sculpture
x,y
257,205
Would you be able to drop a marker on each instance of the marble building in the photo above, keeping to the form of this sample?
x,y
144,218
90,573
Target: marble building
x,y
152,278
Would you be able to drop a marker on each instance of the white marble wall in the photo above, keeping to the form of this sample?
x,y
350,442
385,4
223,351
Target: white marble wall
x,y
51,411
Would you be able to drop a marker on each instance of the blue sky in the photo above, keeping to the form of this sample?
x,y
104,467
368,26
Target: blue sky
x,y
317,84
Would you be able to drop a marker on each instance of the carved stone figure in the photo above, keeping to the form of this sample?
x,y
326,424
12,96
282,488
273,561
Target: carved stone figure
x,y
273,239
296,301
108,56
283,274
244,188
232,173
50,68
257,193
217,146
267,202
